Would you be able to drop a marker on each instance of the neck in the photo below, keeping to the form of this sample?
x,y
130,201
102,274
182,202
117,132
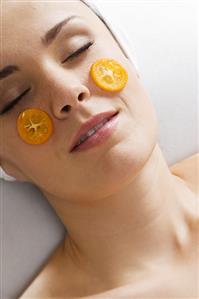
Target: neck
x,y
127,230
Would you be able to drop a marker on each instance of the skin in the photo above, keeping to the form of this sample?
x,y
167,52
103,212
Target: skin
x,y
132,223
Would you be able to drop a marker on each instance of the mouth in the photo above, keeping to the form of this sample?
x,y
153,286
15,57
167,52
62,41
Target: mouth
x,y
95,131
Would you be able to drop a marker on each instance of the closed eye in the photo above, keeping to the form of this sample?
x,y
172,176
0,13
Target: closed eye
x,y
14,102
79,51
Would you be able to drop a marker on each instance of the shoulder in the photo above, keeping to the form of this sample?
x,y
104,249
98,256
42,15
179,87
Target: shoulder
x,y
44,284
187,169
38,286
33,290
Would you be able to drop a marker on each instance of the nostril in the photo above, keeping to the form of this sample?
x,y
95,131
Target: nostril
x,y
66,108
80,97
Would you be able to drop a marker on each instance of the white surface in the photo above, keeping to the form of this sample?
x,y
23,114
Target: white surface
x,y
165,37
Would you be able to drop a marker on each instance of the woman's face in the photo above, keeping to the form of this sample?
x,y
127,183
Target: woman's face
x,y
53,85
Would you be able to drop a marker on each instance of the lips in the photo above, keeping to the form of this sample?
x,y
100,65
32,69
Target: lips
x,y
93,121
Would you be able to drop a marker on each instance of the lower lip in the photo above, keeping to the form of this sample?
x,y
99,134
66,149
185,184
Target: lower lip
x,y
100,136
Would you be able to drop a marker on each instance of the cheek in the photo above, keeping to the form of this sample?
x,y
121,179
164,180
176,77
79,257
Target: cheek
x,y
8,138
136,98
142,122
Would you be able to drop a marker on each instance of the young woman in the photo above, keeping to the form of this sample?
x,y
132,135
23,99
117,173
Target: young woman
x,y
132,221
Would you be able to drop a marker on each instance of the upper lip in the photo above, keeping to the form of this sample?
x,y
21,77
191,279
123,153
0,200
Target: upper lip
x,y
92,122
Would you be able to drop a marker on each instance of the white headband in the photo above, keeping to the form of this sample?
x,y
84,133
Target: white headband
x,y
118,32
119,35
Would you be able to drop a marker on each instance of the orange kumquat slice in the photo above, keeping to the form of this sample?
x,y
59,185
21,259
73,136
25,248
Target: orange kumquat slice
x,y
108,74
34,126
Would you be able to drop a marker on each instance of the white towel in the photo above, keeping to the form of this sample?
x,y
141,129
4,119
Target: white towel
x,y
121,37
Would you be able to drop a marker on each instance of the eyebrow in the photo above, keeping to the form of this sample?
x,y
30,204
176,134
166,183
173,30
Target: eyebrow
x,y
46,40
51,34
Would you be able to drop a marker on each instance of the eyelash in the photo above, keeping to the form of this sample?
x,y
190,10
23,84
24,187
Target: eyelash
x,y
72,56
79,51
14,102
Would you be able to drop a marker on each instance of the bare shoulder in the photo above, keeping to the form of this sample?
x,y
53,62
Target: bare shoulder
x,y
43,285
34,289
187,169
56,280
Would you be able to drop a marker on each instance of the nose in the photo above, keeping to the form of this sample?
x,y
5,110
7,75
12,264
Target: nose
x,y
64,92
67,98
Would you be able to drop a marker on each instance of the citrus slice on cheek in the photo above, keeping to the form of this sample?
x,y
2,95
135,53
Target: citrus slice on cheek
x,y
108,74
34,126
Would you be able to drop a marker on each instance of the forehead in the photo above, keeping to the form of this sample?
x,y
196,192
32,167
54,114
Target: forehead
x,y
18,12
24,23
32,18
34,14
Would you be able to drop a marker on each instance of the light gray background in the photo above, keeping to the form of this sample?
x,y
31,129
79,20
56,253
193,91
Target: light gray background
x,y
165,37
